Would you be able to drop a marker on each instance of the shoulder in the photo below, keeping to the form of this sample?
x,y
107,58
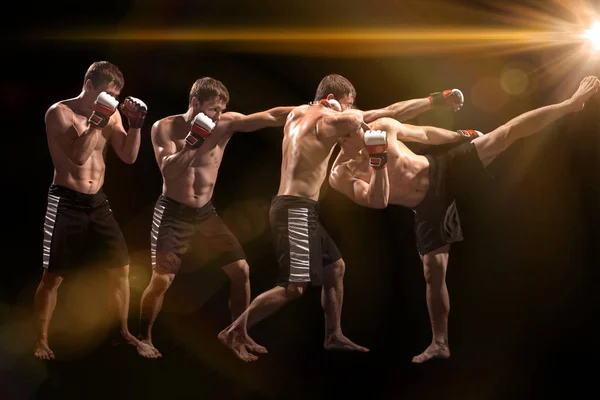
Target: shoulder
x,y
227,119
58,110
304,111
230,116
385,124
167,123
164,127
305,108
58,115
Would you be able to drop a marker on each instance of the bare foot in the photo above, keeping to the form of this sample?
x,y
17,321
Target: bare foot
x,y
237,344
144,348
251,345
435,350
341,342
42,351
587,88
147,350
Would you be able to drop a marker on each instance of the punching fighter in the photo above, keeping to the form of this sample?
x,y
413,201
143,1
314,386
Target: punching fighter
x,y
306,253
189,149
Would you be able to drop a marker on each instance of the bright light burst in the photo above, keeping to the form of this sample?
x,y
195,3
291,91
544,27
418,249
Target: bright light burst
x,y
593,35
551,30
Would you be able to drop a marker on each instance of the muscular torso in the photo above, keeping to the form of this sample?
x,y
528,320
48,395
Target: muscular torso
x,y
196,185
305,152
86,178
408,173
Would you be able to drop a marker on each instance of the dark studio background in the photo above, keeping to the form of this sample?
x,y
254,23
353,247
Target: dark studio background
x,y
523,285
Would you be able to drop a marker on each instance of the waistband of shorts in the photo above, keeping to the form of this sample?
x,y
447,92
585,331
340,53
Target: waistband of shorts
x,y
84,198
287,200
185,210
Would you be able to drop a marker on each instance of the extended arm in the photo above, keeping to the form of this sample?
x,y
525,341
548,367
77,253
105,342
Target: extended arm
x,y
253,122
404,110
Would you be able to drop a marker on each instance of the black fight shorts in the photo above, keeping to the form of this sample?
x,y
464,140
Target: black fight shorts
x,y
437,221
81,228
181,232
302,245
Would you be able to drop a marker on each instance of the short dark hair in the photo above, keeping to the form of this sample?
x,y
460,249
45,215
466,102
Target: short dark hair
x,y
336,85
104,72
206,88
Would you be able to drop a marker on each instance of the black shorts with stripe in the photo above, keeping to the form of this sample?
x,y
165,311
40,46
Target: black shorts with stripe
x,y
302,245
79,229
182,234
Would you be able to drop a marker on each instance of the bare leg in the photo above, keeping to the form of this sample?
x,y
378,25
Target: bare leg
x,y
438,304
235,336
239,297
427,134
44,305
494,143
332,298
118,295
152,300
239,294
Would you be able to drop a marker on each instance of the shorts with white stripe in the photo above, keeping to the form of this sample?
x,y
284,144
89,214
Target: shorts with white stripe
x,y
302,245
183,235
80,229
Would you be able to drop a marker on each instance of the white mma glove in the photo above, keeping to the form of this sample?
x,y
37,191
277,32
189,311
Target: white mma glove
x,y
104,106
376,143
202,127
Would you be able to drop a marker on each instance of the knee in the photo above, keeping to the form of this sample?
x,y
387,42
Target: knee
x,y
50,281
337,269
160,283
434,269
119,274
504,137
294,291
238,272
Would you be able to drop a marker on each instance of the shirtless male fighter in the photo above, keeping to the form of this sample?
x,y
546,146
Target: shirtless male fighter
x,y
79,222
428,185
306,253
189,149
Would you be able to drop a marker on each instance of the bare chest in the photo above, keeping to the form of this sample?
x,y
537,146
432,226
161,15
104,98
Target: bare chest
x,y
209,155
80,123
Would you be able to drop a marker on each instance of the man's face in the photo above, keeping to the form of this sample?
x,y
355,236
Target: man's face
x,y
212,108
347,102
109,88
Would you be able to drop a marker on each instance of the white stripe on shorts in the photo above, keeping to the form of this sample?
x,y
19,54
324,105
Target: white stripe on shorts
x,y
156,219
49,222
299,247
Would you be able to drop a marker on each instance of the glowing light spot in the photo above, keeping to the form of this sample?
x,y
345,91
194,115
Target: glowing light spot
x,y
514,81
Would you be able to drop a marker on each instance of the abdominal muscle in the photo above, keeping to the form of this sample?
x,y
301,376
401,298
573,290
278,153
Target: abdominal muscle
x,y
193,188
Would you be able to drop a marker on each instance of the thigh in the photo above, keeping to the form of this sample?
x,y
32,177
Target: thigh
x,y
107,241
217,244
329,250
296,244
65,234
170,242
